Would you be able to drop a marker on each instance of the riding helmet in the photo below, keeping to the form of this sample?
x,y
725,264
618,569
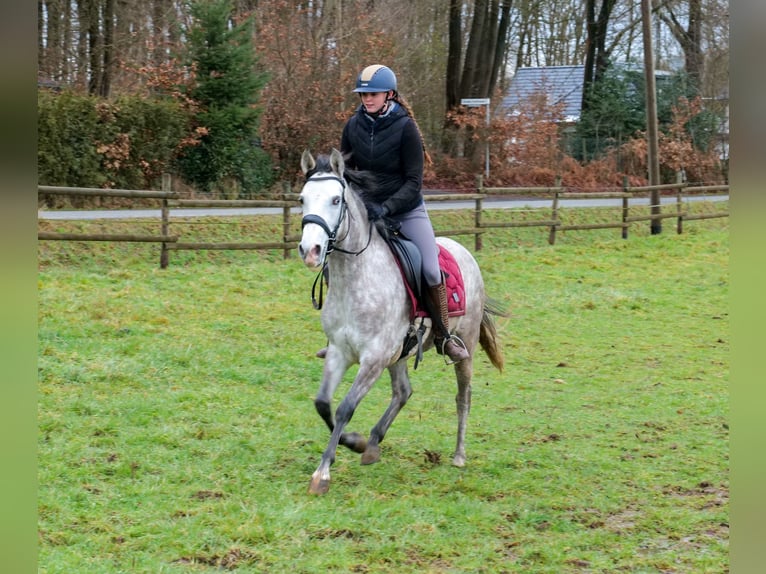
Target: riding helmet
x,y
376,78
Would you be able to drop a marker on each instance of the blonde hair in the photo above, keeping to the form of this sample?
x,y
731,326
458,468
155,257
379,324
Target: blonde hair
x,y
402,102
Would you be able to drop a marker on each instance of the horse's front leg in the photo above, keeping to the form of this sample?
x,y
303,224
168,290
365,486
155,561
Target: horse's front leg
x,y
400,393
333,373
365,378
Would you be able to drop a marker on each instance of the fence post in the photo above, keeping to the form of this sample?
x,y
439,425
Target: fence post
x,y
477,240
625,207
285,219
679,202
164,251
554,212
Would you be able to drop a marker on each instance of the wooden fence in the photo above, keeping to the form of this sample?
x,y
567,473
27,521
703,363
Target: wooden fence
x,y
289,241
558,193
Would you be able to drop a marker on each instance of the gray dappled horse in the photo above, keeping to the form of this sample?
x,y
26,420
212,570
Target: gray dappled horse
x,y
367,312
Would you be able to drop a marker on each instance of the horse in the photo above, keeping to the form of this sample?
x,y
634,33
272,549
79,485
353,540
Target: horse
x,y
367,314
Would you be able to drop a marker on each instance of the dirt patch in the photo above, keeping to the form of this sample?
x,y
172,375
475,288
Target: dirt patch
x,y
231,560
333,533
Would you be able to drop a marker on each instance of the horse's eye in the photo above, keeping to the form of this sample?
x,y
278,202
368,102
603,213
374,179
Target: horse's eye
x,y
336,200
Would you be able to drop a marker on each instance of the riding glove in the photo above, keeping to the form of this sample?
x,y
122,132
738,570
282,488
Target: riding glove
x,y
375,211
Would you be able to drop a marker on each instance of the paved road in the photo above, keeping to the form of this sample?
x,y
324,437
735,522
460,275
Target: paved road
x,y
432,206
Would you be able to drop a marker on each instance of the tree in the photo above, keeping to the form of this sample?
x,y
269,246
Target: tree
x,y
313,55
596,54
485,52
616,111
226,91
441,52
482,65
689,37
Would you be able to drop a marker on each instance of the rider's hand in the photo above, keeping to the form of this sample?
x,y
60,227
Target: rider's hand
x,y
375,211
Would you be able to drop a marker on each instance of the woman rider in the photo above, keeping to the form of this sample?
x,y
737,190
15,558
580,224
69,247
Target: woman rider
x,y
383,137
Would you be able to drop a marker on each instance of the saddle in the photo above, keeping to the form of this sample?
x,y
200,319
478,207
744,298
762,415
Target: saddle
x,y
410,262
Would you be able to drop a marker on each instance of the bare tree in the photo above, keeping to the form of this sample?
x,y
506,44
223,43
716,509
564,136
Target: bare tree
x,y
441,51
50,40
596,55
687,30
487,43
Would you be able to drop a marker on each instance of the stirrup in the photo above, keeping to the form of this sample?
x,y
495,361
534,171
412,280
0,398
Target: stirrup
x,y
459,342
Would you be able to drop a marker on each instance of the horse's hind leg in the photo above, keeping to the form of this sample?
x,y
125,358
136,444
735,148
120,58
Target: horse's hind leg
x,y
464,372
400,393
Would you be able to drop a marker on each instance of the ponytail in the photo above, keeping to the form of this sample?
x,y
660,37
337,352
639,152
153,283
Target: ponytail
x,y
402,102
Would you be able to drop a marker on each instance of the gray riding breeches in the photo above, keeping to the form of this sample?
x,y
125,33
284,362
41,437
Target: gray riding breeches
x,y
416,226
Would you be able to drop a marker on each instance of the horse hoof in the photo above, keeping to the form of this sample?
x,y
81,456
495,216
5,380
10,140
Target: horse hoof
x,y
354,441
458,460
371,455
319,485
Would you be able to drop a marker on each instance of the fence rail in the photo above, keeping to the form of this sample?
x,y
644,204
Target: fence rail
x,y
287,201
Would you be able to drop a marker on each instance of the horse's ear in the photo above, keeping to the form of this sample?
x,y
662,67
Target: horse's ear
x,y
307,162
336,162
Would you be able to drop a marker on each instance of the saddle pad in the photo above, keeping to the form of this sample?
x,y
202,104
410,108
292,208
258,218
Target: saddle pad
x,y
453,279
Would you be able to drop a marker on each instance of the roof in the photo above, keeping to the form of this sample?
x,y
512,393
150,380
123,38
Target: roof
x,y
561,84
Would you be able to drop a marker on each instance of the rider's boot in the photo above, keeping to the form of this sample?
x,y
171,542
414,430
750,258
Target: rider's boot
x,y
446,344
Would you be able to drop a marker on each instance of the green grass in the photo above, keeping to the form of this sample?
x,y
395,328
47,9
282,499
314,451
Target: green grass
x,y
177,432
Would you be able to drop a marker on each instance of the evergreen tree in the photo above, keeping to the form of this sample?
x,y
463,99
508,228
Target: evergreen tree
x,y
617,111
226,90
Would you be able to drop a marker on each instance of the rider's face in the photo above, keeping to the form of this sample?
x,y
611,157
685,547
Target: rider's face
x,y
373,101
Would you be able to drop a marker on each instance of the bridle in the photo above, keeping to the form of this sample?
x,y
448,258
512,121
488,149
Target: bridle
x,y
319,220
332,234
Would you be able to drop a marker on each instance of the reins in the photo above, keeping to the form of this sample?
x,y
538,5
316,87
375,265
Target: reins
x,y
318,304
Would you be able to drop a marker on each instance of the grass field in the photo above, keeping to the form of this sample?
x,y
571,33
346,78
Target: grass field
x,y
177,432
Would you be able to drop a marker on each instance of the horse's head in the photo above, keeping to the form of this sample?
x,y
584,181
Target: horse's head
x,y
324,206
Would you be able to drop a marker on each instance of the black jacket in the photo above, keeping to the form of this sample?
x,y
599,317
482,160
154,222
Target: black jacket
x,y
389,146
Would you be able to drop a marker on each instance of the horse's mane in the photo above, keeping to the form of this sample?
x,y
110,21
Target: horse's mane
x,y
365,183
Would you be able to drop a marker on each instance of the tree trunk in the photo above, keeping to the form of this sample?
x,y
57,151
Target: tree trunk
x,y
501,47
454,54
108,49
81,63
468,82
690,38
485,53
484,58
596,54
40,44
94,47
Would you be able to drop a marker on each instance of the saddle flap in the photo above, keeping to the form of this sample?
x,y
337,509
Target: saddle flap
x,y
410,263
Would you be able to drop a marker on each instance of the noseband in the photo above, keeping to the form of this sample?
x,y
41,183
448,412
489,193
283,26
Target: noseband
x,y
332,234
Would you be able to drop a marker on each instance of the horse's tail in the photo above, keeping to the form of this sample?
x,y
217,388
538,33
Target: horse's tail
x,y
488,333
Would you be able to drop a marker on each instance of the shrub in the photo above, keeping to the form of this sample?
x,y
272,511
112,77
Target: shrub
x,y
67,126
86,141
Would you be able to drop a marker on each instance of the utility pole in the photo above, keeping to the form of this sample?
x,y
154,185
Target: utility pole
x,y
653,160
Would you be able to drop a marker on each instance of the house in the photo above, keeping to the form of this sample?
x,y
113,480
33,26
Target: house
x,y
561,84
